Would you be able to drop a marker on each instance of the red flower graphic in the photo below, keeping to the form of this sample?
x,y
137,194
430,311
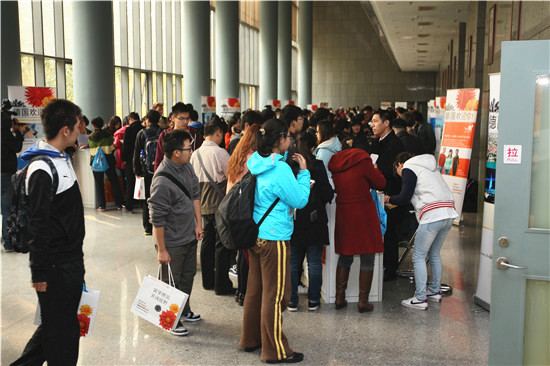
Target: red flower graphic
x,y
84,322
167,319
463,97
38,97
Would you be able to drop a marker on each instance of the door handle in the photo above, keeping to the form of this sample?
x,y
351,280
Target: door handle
x,y
503,263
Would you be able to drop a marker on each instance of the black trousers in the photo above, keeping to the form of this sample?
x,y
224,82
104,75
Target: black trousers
x,y
99,179
214,259
391,239
147,226
56,339
130,184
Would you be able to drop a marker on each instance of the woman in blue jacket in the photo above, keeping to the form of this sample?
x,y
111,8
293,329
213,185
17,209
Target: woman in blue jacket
x,y
268,290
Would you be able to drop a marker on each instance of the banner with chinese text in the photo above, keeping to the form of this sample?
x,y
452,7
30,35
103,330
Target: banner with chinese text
x,y
483,292
228,107
456,144
28,102
208,108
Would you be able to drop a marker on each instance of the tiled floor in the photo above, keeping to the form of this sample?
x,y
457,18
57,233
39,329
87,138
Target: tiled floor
x,y
118,256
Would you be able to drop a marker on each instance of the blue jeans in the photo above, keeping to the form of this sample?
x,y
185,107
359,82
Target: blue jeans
x,y
314,270
7,191
428,242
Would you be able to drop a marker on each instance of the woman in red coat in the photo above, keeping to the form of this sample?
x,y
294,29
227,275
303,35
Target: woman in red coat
x,y
357,229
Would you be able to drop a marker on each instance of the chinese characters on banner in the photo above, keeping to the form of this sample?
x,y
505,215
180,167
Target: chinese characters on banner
x,y
483,292
228,107
208,109
456,144
28,102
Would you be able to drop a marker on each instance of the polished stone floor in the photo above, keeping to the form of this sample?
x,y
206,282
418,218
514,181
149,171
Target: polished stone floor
x,y
118,256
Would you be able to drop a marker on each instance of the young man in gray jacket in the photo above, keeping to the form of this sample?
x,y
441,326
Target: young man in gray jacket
x,y
175,212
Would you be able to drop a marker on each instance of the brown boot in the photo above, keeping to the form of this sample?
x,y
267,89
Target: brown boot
x,y
365,282
342,274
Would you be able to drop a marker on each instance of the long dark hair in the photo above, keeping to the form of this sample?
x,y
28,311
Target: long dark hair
x,y
305,143
269,135
326,130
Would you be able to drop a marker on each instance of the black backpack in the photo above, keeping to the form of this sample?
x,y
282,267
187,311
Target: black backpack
x,y
234,216
149,151
19,210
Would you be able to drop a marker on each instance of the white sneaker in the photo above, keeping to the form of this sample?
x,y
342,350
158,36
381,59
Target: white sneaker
x,y
180,331
433,296
233,271
292,307
191,317
414,303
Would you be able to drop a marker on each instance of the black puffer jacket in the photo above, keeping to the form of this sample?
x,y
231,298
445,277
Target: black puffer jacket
x,y
311,224
11,145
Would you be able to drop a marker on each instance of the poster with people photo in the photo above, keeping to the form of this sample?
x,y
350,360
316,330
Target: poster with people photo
x,y
456,144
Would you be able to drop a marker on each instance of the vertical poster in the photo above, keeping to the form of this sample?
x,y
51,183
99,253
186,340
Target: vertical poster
x,y
228,107
385,105
28,102
312,107
458,137
208,109
483,292
431,113
274,103
439,117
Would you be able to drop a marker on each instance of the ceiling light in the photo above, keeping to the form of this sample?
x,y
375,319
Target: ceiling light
x,y
420,24
426,8
423,44
407,37
423,35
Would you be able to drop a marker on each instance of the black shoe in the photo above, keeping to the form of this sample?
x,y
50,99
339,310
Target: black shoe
x,y
293,358
252,349
312,306
237,296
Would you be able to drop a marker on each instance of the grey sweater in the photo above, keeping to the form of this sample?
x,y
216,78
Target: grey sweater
x,y
170,207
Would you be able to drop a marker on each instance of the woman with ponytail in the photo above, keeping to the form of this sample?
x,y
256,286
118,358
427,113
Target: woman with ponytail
x,y
268,290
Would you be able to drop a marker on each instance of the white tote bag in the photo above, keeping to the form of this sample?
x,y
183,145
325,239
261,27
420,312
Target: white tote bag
x,y
139,189
87,311
158,302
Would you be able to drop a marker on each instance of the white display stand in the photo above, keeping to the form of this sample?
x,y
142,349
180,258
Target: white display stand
x,y
331,262
81,164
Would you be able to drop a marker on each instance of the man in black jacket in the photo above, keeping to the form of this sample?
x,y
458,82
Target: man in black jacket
x,y
55,237
411,143
387,147
11,145
153,131
127,156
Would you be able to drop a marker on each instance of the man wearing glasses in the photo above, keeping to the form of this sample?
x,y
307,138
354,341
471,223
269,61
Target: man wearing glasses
x,y
181,116
175,212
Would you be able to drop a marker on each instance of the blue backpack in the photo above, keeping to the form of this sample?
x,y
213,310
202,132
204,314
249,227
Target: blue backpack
x,y
100,164
149,151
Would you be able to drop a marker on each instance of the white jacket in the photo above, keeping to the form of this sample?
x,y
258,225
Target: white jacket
x,y
431,191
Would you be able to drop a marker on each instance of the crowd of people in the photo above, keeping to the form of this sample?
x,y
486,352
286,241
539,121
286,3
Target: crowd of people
x,y
302,160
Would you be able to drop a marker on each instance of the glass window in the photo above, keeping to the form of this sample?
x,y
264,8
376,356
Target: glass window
x,y
25,27
27,70
131,91
154,81
48,28
142,32
539,215
49,69
116,31
69,89
130,33
144,94
164,94
68,28
118,91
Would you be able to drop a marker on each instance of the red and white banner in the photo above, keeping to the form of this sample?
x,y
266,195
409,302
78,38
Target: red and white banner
x,y
275,103
458,137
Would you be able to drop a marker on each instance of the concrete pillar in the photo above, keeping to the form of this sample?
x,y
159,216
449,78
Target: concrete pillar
x,y
268,52
284,46
11,48
305,52
227,50
93,60
196,46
